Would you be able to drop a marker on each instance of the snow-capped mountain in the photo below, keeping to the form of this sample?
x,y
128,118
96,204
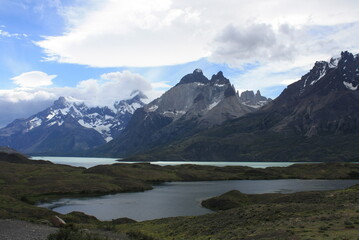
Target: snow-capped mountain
x,y
345,67
194,104
75,120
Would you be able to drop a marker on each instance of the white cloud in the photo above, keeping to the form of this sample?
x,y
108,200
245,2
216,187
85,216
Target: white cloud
x,y
274,73
109,88
20,95
22,103
161,85
162,32
128,33
254,43
33,79
9,35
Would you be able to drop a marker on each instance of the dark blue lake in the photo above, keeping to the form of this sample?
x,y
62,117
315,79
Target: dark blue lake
x,y
182,198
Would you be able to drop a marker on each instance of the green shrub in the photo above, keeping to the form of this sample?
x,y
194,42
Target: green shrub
x,y
72,233
139,235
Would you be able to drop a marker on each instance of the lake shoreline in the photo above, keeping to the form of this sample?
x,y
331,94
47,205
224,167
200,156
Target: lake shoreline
x,y
89,162
26,181
187,197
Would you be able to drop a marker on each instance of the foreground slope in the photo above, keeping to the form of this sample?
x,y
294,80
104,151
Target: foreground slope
x,y
314,119
304,215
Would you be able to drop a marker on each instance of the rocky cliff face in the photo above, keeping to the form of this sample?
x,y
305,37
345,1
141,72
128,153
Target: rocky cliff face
x,y
69,126
194,104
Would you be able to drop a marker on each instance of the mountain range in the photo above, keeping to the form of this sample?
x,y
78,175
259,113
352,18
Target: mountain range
x,y
313,119
195,104
201,119
69,126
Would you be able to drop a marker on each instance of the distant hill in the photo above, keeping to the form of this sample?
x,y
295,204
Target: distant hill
x,y
10,155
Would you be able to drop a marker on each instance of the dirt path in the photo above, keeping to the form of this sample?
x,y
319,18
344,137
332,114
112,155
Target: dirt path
x,y
20,230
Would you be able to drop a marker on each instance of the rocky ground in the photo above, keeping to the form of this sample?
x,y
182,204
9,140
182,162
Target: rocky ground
x,y
20,230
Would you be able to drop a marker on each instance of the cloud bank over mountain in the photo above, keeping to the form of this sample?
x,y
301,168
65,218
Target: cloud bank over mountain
x,y
34,95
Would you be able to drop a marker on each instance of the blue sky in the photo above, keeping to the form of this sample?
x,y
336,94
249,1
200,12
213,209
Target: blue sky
x,y
100,51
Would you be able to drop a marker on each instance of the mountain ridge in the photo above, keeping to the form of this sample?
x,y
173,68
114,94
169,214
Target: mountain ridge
x,y
313,119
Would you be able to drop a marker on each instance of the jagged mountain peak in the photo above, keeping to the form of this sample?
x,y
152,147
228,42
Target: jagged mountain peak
x,y
198,77
219,79
63,102
195,77
219,75
194,93
256,100
130,105
138,94
339,73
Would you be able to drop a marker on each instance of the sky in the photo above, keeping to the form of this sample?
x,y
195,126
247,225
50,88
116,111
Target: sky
x,y
99,51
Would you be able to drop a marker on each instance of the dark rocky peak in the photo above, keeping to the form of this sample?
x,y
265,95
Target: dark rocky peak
x,y
136,98
345,55
319,70
338,73
219,79
247,95
68,102
347,60
248,98
195,77
60,103
230,91
348,71
138,95
259,97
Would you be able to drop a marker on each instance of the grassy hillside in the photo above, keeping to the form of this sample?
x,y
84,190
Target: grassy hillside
x,y
308,215
227,144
